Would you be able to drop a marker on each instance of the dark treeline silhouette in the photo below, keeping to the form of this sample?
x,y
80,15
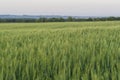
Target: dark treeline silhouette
x,y
69,19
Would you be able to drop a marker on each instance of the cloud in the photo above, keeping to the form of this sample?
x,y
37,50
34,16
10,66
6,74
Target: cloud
x,y
62,7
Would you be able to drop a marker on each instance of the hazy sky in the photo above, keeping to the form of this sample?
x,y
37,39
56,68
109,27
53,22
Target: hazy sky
x,y
61,7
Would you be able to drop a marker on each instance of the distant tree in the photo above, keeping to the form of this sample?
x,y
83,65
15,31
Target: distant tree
x,y
69,19
42,19
111,18
61,19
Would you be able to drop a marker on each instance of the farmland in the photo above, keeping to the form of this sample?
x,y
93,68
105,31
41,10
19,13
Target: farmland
x,y
60,51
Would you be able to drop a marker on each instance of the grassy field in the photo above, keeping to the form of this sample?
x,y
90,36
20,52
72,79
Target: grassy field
x,y
60,51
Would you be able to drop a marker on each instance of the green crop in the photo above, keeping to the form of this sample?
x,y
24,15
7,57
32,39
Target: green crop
x,y
60,51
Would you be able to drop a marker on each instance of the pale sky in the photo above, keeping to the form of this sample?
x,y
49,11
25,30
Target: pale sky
x,y
61,7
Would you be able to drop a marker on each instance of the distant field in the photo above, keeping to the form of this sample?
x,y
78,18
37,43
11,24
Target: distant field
x,y
60,51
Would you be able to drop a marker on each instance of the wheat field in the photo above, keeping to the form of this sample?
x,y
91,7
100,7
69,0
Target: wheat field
x,y
60,51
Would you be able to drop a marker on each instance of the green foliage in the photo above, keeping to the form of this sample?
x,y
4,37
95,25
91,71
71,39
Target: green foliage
x,y
60,51
59,19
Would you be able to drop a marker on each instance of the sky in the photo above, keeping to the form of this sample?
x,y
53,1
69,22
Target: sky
x,y
61,7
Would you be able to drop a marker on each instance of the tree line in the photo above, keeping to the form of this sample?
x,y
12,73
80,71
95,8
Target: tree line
x,y
69,19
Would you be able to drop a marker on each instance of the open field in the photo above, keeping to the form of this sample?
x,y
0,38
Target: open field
x,y
60,51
